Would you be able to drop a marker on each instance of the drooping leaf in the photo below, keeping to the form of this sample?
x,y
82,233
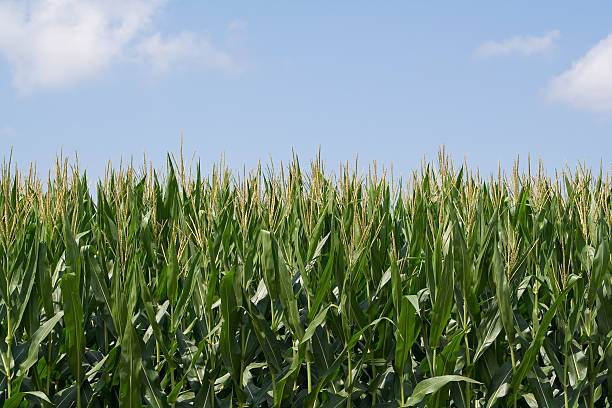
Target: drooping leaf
x,y
431,385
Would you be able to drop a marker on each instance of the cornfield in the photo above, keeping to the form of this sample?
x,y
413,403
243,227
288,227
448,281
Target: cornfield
x,y
287,287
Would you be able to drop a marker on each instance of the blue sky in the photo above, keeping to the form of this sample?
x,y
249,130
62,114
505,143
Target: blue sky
x,y
390,81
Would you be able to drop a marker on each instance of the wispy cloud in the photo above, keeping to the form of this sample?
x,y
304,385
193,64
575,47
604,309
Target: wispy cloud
x,y
165,53
519,45
52,44
7,133
588,83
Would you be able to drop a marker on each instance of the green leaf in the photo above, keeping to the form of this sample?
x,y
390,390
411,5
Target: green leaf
x,y
488,330
287,298
153,391
130,369
600,266
229,345
266,338
38,394
186,291
73,319
27,283
502,295
396,286
408,328
534,348
269,264
38,336
98,283
431,385
324,284
447,359
172,397
443,301
43,280
14,401
500,384
318,320
145,296
173,271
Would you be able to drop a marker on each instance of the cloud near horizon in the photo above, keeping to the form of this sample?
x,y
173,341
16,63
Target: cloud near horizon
x,y
7,131
164,53
519,45
53,44
588,83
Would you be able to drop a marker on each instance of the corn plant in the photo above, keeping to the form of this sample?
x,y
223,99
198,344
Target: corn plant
x,y
290,288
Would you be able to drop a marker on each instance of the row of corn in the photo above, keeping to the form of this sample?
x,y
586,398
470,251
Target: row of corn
x,y
302,288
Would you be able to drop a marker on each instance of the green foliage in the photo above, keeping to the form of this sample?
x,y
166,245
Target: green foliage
x,y
305,289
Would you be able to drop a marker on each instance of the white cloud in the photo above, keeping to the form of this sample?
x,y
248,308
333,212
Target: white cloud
x,y
236,31
185,48
588,83
521,45
56,43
